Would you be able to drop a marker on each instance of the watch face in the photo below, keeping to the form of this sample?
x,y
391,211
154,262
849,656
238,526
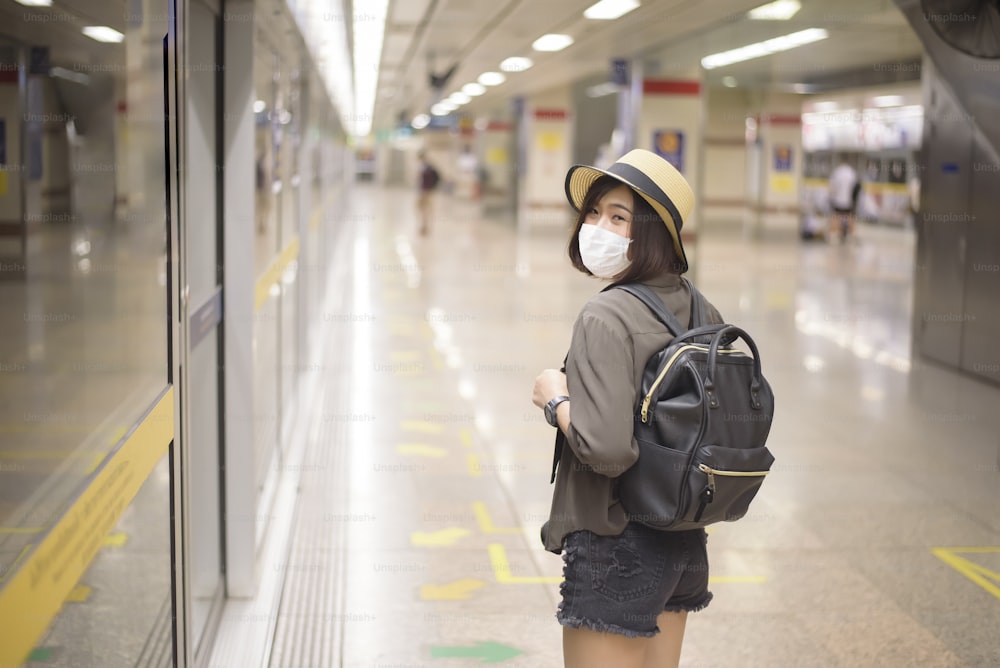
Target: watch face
x,y
548,414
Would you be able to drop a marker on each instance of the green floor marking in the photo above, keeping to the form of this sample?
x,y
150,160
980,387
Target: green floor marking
x,y
40,654
488,652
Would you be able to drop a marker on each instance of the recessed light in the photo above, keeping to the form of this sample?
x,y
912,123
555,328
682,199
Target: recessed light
x,y
515,64
779,10
610,9
552,42
492,78
473,89
420,121
459,98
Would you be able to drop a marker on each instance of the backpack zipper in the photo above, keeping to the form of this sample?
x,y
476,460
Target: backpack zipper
x,y
711,473
673,358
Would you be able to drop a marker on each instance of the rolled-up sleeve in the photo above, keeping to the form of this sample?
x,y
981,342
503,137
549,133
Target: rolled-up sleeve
x,y
600,377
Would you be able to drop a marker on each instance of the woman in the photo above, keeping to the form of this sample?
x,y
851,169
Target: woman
x,y
627,588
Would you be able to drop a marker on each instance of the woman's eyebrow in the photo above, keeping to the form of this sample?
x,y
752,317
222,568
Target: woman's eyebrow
x,y
620,206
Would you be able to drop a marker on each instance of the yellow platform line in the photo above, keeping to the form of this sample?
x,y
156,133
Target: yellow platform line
x,y
486,522
472,462
273,274
37,589
466,437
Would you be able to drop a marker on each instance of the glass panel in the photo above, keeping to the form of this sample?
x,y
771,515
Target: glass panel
x,y
201,227
83,308
267,318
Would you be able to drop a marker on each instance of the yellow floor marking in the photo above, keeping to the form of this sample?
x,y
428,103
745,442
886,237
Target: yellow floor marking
x,y
501,569
442,538
13,566
982,576
80,594
422,426
486,523
475,469
404,355
736,579
453,591
466,436
116,539
420,450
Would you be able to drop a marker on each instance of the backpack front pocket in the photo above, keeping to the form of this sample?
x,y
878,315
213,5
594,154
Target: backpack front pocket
x,y
725,481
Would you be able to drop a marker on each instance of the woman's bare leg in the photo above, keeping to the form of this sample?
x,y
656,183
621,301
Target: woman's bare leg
x,y
664,649
585,648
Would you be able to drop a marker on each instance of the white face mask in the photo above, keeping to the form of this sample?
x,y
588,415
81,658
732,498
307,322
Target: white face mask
x,y
604,253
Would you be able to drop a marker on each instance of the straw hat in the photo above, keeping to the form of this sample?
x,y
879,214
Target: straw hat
x,y
655,179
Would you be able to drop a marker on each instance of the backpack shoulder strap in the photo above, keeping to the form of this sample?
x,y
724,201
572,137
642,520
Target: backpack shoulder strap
x,y
697,305
655,304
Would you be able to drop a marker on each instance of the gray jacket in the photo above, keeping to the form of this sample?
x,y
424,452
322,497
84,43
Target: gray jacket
x,y
613,338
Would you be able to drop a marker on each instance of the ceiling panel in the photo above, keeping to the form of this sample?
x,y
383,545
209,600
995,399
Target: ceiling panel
x,y
671,36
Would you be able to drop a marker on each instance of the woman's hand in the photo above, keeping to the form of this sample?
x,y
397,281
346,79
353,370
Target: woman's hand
x,y
549,384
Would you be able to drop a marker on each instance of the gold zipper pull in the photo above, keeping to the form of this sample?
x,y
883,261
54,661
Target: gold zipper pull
x,y
711,476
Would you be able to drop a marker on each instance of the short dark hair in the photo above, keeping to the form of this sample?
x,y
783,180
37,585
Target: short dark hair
x,y
652,249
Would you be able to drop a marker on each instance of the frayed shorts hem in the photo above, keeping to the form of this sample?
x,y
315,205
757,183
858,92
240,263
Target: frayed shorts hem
x,y
601,627
691,607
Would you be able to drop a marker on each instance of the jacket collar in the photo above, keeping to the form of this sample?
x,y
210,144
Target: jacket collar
x,y
664,280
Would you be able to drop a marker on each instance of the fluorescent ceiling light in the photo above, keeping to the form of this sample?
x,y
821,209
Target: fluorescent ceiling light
x,y
888,101
610,9
35,3
600,90
473,89
779,10
369,31
514,64
103,34
441,110
825,106
729,82
766,48
62,73
459,98
492,78
552,42
420,121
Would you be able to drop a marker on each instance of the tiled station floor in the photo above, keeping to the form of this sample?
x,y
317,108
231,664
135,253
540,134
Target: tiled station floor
x,y
875,541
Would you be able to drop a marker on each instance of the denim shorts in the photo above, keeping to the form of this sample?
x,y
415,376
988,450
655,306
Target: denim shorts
x,y
620,584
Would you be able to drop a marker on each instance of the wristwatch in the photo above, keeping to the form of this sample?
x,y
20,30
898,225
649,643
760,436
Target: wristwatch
x,y
550,409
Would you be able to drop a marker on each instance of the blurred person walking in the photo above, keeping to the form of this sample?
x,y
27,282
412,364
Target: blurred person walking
x,y
429,179
844,188
627,588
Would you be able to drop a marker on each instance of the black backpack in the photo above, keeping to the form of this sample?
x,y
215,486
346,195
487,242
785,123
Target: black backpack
x,y
702,418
